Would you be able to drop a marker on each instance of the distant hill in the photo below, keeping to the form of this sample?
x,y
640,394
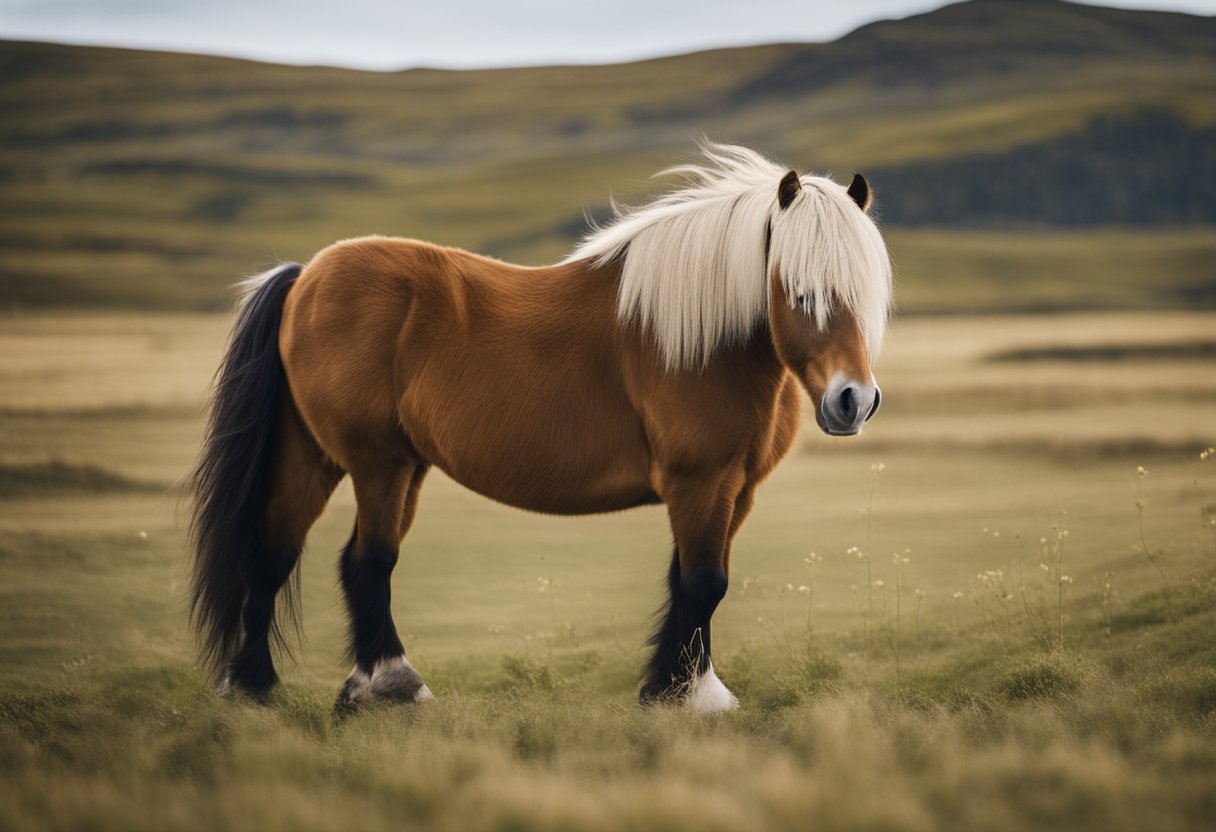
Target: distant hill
x,y
132,178
1148,167
984,41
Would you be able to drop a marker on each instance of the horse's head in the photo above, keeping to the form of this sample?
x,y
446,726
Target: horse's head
x,y
830,289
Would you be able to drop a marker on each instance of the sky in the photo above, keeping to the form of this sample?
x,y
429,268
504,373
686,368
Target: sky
x,y
396,34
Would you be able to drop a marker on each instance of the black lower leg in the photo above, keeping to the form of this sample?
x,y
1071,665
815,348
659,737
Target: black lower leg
x,y
251,670
681,641
366,577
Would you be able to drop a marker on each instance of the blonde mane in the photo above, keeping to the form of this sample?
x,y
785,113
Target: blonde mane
x,y
693,266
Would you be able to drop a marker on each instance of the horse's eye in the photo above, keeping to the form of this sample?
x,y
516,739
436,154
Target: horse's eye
x,y
807,303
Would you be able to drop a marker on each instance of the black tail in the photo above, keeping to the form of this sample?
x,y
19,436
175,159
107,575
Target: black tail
x,y
232,480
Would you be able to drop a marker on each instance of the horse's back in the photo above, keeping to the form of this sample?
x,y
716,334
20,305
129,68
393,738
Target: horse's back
x,y
507,378
511,383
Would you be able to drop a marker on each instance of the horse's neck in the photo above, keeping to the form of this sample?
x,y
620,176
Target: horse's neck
x,y
585,273
754,362
757,362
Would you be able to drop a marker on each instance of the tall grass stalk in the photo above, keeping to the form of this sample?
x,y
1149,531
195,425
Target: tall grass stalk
x,y
1106,603
1141,473
1060,532
867,610
545,587
1207,515
899,561
920,600
876,470
812,562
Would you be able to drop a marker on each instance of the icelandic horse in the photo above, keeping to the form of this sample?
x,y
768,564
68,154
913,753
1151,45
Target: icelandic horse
x,y
659,363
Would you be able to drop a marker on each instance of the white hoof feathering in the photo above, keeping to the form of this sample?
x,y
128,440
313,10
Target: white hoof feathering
x,y
709,696
391,679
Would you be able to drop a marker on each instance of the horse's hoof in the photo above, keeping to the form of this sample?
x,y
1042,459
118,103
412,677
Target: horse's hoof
x,y
392,680
707,694
232,690
703,694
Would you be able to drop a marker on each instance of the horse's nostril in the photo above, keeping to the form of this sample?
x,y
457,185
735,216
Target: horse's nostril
x,y
877,402
848,404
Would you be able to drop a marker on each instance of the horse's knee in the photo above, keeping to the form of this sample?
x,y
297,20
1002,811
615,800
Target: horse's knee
x,y
371,558
380,557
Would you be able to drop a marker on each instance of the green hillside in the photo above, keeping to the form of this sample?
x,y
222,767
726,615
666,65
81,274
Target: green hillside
x,y
140,179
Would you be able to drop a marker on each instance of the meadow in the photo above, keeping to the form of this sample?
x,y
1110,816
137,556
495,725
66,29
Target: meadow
x,y
962,618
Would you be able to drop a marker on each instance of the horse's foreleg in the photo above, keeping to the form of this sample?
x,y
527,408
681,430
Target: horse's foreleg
x,y
681,667
387,498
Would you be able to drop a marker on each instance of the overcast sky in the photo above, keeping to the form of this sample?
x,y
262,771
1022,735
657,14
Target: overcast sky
x,y
393,34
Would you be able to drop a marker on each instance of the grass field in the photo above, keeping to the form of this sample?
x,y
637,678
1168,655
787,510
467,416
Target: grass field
x,y
1027,666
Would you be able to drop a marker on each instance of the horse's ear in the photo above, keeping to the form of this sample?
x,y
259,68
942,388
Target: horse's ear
x,y
789,188
859,190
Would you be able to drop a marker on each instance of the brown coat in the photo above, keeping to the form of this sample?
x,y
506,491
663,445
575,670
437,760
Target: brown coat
x,y
521,384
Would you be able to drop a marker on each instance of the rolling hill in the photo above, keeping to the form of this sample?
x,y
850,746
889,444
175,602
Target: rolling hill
x,y
134,179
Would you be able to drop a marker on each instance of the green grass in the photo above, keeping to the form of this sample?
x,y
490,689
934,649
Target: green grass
x,y
987,721
1097,738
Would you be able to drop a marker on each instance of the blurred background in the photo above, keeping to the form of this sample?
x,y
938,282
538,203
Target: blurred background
x,y
1028,155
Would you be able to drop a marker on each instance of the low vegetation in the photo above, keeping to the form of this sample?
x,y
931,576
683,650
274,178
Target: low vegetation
x,y
993,610
1112,733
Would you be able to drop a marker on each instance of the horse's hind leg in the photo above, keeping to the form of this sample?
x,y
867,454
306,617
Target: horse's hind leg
x,y
387,497
302,480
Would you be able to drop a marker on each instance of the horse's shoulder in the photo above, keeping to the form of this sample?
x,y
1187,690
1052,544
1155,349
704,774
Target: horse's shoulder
x,y
787,416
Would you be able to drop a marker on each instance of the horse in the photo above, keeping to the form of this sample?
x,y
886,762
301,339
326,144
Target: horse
x,y
662,362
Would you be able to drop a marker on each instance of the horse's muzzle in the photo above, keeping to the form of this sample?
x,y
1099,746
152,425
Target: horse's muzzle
x,y
846,406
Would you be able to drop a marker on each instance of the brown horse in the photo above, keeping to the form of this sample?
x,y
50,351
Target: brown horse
x,y
660,363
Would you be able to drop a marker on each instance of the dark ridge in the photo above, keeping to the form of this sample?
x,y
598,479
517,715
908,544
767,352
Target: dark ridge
x,y
1067,449
101,243
284,118
128,412
57,478
1175,351
1148,168
276,120
104,130
227,173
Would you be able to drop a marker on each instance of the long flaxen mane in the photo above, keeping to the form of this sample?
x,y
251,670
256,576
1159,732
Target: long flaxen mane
x,y
696,261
